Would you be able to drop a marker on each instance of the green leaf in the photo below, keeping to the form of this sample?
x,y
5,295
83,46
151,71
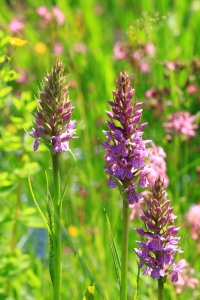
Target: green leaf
x,y
66,184
39,210
137,284
5,91
31,105
18,103
33,280
114,251
82,262
29,218
119,185
11,75
89,294
33,167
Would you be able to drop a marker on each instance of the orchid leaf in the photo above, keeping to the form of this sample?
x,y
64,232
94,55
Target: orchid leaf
x,y
38,208
115,254
119,185
66,184
137,284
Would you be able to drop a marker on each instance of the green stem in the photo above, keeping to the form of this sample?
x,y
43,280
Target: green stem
x,y
160,289
124,261
176,167
57,234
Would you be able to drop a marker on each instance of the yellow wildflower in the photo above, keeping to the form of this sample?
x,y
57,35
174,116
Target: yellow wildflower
x,y
73,231
17,42
40,48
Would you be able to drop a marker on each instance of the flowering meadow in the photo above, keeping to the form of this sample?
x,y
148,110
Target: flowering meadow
x,y
99,150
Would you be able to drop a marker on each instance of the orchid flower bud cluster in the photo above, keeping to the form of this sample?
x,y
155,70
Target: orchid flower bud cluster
x,y
159,246
52,119
126,152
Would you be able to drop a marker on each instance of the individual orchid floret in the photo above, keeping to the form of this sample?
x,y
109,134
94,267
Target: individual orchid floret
x,y
52,119
186,278
126,152
159,245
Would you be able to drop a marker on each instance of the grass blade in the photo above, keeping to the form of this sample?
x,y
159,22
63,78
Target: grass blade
x,y
82,262
137,284
38,208
66,184
115,255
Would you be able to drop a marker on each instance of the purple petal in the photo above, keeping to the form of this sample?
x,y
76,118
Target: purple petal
x,y
111,183
35,145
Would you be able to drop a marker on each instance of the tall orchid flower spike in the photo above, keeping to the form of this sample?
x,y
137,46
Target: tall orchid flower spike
x,y
126,157
52,119
126,152
54,127
159,245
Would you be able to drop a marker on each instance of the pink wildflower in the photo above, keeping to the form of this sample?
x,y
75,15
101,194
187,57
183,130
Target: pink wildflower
x,y
150,93
157,164
80,48
23,78
181,122
58,49
16,26
46,16
194,221
170,66
43,12
144,67
119,52
59,16
136,209
185,278
150,50
192,89
136,55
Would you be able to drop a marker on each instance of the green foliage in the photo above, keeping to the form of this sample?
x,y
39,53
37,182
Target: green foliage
x,y
114,251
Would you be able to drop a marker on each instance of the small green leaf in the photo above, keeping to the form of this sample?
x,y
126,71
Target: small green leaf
x,y
33,280
89,294
137,284
119,185
11,75
18,103
66,184
5,91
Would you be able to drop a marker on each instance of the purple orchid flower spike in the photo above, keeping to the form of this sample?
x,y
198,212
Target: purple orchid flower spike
x,y
52,119
159,246
126,152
